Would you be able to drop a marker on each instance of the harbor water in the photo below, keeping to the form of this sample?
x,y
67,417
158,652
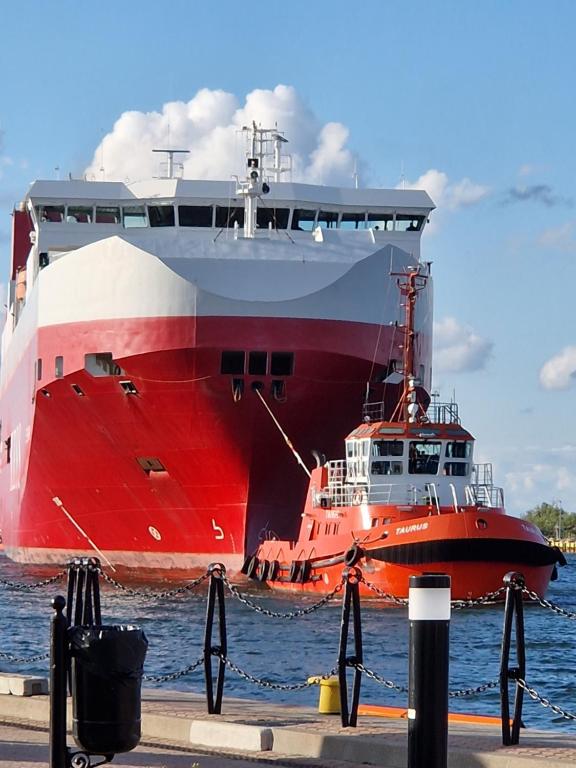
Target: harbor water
x,y
288,651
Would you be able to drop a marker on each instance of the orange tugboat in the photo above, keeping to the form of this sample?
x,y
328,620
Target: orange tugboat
x,y
407,499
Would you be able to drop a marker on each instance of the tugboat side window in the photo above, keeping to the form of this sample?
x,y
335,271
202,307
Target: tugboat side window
x,y
424,457
52,213
387,448
281,363
456,468
232,362
407,223
303,219
227,217
386,468
459,449
277,217
101,364
107,214
353,221
195,215
327,219
383,221
134,216
79,214
161,215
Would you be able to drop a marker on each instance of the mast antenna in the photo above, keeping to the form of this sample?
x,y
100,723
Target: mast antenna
x,y
171,153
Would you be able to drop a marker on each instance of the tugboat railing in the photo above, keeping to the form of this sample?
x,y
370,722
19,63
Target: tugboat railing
x,y
437,413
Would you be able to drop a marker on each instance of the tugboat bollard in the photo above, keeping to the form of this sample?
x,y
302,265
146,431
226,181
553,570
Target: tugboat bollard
x,y
58,669
429,616
513,616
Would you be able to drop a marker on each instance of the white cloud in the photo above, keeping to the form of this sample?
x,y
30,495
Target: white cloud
x,y
560,238
209,126
527,485
560,371
457,348
449,194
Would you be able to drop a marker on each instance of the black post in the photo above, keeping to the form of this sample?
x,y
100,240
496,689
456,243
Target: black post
x,y
215,593
58,669
429,615
514,608
350,599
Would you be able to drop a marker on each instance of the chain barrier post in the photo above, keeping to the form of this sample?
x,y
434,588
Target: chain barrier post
x,y
513,615
58,687
429,616
215,595
83,604
350,600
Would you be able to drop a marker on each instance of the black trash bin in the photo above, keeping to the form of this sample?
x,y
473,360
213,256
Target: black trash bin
x,y
107,664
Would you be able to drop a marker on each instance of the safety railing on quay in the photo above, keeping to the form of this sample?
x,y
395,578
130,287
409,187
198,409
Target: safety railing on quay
x,y
81,611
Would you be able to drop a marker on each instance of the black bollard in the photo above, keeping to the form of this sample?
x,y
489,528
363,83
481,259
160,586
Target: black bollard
x,y
429,615
58,687
215,595
513,615
351,599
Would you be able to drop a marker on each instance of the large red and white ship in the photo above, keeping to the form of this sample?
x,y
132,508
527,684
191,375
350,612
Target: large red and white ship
x,y
162,335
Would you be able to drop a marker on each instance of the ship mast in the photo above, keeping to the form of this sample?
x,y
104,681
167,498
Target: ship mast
x,y
410,284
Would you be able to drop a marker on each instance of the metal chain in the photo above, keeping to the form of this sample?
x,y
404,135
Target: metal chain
x,y
461,692
533,693
266,683
174,675
375,676
30,587
535,597
277,615
486,599
154,595
21,660
384,595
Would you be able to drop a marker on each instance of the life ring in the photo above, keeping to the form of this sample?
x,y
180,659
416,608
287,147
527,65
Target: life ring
x,y
352,555
263,570
252,567
273,570
295,569
357,498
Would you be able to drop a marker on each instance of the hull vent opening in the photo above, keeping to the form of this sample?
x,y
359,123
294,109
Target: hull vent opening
x,y
128,387
79,391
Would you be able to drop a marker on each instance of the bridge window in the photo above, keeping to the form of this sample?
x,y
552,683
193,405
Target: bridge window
x,y
327,219
459,449
52,213
79,214
424,457
195,215
232,362
303,219
107,214
456,468
407,223
387,448
384,221
134,216
161,215
277,217
228,217
58,366
386,468
353,221
281,363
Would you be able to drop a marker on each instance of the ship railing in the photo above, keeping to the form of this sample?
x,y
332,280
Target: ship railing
x,y
482,474
349,494
437,413
484,495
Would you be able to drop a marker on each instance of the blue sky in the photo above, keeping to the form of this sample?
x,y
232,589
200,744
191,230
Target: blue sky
x,y
475,100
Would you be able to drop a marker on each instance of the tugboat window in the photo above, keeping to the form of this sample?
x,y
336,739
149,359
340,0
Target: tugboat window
x,y
386,468
227,217
232,362
161,215
459,449
257,362
278,217
455,468
387,448
281,363
195,215
303,220
424,457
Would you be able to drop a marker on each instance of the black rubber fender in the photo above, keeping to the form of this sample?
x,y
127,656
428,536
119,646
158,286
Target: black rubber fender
x,y
252,567
274,570
263,570
245,565
295,569
305,571
353,555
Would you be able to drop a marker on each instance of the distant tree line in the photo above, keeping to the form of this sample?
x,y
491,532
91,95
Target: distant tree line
x,y
553,520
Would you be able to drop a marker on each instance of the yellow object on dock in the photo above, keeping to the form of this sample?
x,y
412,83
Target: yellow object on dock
x,y
329,702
